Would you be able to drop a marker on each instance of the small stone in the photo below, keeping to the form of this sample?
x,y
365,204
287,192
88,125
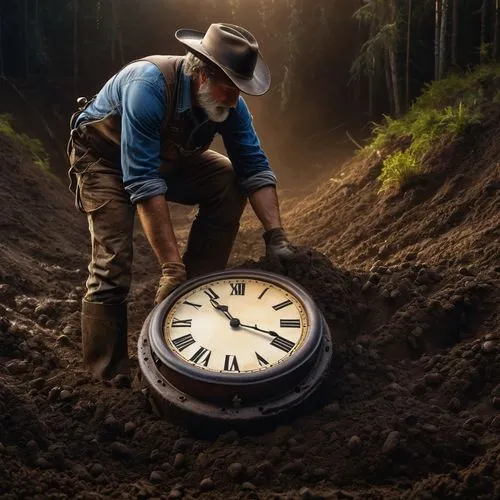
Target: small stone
x,y
430,428
175,494
179,460
156,476
433,379
64,340
391,442
54,394
333,409
96,470
207,484
489,346
305,492
37,383
43,463
354,443
129,427
65,395
247,486
120,450
235,470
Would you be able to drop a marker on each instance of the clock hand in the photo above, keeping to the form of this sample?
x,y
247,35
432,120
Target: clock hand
x,y
255,327
234,322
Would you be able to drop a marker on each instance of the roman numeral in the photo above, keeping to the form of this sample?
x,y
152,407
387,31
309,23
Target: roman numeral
x,y
290,323
211,294
261,360
201,356
181,323
182,342
262,294
196,306
283,344
282,305
231,363
238,288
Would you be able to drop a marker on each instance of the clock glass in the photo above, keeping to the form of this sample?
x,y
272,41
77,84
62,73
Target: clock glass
x,y
236,326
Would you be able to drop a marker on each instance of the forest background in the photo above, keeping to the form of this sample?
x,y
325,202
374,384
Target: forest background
x,y
337,65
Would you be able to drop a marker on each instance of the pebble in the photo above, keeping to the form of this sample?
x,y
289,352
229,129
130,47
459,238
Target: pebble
x,y
120,450
43,463
489,346
175,494
235,470
305,492
65,395
333,409
54,394
433,379
96,470
156,476
64,340
430,428
354,443
179,460
247,486
129,427
391,442
207,484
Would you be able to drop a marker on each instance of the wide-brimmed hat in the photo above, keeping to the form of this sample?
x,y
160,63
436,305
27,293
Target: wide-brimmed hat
x,y
232,49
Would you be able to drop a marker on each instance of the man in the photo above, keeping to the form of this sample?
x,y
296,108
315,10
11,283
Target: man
x,y
143,140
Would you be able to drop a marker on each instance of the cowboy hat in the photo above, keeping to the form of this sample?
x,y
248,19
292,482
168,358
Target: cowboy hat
x,y
232,49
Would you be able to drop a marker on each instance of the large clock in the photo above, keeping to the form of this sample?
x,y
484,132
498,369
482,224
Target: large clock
x,y
234,346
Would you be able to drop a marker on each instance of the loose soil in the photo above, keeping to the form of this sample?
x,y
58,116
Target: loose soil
x,y
408,282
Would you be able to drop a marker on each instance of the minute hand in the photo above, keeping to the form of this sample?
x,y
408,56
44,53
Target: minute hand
x,y
255,327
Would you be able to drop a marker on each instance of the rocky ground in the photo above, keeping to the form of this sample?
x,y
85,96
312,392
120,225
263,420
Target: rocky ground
x,y
408,281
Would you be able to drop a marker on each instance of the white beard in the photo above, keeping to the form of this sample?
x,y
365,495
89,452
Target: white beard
x,y
215,111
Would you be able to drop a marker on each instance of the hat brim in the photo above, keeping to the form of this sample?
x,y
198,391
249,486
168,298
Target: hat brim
x,y
258,85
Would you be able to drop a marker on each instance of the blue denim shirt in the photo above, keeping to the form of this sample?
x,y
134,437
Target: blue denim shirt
x,y
137,94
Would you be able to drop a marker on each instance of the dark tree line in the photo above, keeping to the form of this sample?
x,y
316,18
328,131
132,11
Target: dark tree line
x,y
330,59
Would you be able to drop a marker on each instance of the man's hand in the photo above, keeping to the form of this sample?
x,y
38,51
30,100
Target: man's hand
x,y
173,274
277,244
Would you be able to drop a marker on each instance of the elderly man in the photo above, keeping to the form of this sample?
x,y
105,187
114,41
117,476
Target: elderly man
x,y
143,140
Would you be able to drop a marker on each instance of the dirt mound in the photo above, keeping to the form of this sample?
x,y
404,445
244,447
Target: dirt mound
x,y
408,284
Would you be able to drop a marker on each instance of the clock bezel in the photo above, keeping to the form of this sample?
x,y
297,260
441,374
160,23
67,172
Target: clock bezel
x,y
296,362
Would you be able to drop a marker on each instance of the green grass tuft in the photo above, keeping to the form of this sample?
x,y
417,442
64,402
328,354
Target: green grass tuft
x,y
34,146
444,111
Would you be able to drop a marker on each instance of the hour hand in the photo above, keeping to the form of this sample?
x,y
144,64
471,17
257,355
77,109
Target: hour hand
x,y
222,308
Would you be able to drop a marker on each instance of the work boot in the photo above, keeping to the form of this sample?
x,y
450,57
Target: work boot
x,y
104,338
208,248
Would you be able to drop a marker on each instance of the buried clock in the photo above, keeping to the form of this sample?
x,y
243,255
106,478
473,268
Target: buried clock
x,y
234,346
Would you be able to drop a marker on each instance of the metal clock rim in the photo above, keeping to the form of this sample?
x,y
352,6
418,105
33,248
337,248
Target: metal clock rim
x,y
299,359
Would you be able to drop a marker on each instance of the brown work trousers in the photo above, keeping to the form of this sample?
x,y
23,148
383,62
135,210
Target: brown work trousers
x,y
205,179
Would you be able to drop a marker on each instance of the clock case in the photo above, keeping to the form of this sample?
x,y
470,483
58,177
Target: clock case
x,y
186,393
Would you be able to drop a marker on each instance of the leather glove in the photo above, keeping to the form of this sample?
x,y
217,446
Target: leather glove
x,y
277,244
173,274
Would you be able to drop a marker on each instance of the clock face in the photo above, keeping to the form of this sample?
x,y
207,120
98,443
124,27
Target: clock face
x,y
236,325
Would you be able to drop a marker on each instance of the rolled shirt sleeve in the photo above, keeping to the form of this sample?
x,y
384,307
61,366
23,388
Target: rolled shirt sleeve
x,y
242,144
143,109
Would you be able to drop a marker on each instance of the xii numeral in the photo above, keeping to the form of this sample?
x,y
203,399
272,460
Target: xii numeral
x,y
290,323
238,288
